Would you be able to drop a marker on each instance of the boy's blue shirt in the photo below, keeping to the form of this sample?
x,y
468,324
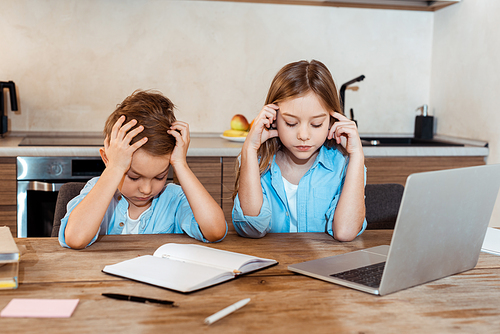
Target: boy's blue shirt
x,y
169,212
317,197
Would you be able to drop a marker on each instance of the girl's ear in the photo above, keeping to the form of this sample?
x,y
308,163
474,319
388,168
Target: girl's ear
x,y
104,158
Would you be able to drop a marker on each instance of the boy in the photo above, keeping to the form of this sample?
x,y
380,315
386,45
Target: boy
x,y
142,140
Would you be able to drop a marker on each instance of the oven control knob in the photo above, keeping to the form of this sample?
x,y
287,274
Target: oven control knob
x,y
55,169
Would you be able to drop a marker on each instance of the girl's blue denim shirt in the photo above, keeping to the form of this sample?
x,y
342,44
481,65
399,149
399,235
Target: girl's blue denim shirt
x,y
317,197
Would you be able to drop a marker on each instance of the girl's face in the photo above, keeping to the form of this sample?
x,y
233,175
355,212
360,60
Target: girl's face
x,y
302,125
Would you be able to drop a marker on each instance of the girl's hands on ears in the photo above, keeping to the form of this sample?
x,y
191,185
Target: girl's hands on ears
x,y
180,130
345,133
261,129
117,148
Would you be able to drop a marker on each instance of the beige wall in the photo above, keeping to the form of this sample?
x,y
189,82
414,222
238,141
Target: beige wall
x,y
73,61
465,78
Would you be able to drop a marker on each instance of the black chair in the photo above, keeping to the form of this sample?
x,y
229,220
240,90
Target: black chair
x,y
382,203
67,192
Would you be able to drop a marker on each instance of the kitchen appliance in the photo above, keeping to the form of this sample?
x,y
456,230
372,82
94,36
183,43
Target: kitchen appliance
x,y
424,124
38,183
11,86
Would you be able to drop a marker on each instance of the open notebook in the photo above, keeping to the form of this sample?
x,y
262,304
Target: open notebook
x,y
439,231
187,268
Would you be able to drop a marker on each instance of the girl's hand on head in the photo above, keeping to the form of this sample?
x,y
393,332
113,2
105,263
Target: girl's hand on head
x,y
117,146
345,133
180,130
261,129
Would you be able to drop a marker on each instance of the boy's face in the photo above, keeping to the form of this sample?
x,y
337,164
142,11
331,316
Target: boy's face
x,y
302,125
145,179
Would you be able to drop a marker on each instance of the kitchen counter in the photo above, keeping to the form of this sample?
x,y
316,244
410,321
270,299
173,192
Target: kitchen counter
x,y
201,145
211,144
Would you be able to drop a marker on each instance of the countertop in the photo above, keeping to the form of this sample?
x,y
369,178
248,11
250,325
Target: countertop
x,y
211,144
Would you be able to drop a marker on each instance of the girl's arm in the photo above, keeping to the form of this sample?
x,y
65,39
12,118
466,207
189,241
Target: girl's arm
x,y
86,217
350,212
207,212
250,189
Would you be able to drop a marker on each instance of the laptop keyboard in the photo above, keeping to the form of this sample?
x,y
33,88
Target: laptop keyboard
x,y
370,275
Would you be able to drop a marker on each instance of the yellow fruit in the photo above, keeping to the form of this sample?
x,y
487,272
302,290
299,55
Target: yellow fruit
x,y
234,133
239,122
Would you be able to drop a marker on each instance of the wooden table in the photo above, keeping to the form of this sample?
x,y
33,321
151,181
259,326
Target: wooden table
x,y
282,302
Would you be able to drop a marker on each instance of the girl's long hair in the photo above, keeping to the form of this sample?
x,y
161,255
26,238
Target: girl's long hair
x,y
296,80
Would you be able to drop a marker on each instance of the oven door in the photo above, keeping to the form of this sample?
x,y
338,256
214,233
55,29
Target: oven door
x,y
36,202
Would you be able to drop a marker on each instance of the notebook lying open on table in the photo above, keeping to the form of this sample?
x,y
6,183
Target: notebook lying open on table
x,y
439,231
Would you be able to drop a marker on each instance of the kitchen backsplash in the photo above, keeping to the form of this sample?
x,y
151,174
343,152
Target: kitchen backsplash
x,y
73,61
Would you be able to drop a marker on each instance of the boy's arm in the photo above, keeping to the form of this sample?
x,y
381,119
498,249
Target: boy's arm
x,y
86,217
207,212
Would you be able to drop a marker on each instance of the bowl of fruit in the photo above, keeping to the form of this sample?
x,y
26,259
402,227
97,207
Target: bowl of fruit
x,y
239,129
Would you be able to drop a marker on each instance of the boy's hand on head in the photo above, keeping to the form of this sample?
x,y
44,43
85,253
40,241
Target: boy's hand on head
x,y
345,133
262,128
180,130
117,146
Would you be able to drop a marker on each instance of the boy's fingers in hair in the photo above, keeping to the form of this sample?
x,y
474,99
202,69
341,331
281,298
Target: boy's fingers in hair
x,y
131,134
124,130
116,127
178,125
181,127
175,132
121,132
135,146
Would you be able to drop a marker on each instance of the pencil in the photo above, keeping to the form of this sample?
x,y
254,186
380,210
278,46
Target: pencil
x,y
224,312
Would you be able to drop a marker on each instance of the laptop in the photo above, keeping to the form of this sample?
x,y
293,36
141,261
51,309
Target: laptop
x,y
439,231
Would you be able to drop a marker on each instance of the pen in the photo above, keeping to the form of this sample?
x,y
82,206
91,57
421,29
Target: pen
x,y
137,299
228,310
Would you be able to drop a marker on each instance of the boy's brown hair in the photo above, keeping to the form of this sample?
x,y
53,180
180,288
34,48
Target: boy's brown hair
x,y
154,112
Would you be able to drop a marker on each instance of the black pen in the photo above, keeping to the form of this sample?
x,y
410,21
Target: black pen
x,y
137,299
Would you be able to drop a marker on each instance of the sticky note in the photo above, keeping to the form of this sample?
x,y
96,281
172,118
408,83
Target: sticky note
x,y
40,308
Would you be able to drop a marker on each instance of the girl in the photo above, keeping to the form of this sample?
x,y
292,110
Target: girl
x,y
302,163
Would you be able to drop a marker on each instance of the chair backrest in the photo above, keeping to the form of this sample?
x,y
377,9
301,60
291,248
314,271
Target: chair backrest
x,y
382,203
67,192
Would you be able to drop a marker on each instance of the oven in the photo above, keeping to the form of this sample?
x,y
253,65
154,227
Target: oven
x,y
38,183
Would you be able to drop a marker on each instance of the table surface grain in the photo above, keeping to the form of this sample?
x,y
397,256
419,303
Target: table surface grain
x,y
281,301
